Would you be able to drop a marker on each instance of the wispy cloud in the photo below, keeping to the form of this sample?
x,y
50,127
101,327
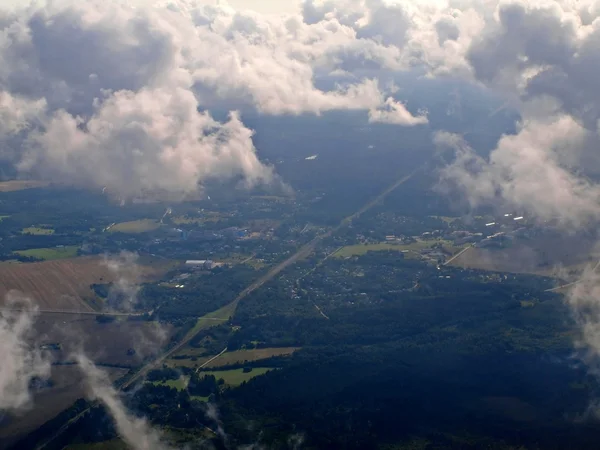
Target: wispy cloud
x,y
20,360
135,431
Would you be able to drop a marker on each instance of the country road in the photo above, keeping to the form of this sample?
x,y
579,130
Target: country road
x,y
457,255
206,363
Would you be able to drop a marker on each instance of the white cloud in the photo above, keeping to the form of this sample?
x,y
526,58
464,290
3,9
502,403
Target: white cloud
x,y
396,113
107,94
135,431
20,361
528,171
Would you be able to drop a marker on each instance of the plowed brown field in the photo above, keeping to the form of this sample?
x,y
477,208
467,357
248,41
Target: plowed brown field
x,y
63,284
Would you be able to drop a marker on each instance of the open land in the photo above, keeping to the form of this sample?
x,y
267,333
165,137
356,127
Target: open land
x,y
19,185
135,226
414,247
235,377
38,231
67,387
50,253
565,257
195,357
64,284
105,343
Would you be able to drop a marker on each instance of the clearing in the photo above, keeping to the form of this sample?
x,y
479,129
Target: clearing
x,y
419,245
241,356
180,384
37,231
237,376
561,256
19,185
135,226
50,253
65,284
68,386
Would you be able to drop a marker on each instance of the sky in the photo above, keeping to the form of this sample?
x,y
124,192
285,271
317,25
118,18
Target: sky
x,y
136,79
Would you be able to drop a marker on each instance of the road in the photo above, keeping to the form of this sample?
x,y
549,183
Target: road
x,y
204,364
564,286
457,255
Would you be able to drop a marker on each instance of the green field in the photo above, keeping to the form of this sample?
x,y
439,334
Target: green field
x,y
135,226
181,220
361,249
446,219
37,231
237,376
209,320
240,356
180,384
51,253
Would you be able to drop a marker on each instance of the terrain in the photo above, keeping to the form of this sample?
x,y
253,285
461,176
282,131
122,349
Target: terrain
x,y
65,285
358,310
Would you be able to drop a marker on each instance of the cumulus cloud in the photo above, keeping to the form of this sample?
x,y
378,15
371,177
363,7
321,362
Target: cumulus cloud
x,y
103,94
542,57
396,113
127,274
135,431
20,361
527,171
583,297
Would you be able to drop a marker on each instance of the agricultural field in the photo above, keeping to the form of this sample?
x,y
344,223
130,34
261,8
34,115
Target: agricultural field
x,y
415,247
241,356
564,258
205,216
236,377
65,284
67,387
51,253
135,226
19,185
37,231
121,342
180,384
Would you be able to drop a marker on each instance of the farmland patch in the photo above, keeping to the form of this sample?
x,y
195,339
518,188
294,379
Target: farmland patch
x,y
50,253
64,284
237,376
135,226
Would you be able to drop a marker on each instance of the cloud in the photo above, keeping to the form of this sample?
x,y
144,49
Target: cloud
x,y
123,292
135,431
20,361
396,113
106,98
102,94
527,171
542,55
583,298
